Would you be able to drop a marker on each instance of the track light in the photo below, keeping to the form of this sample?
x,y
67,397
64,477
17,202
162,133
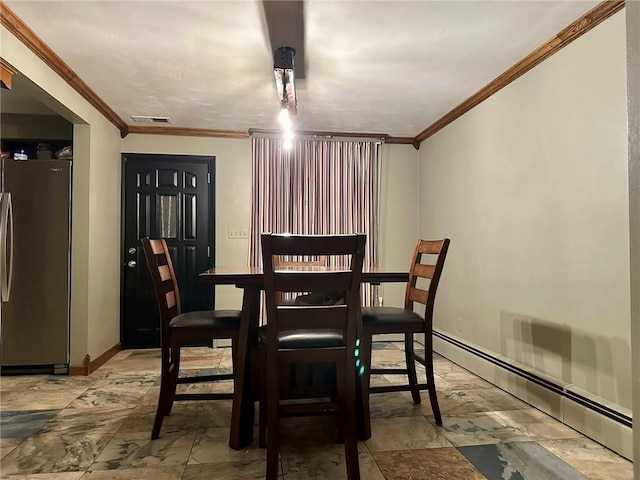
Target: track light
x,y
285,85
285,78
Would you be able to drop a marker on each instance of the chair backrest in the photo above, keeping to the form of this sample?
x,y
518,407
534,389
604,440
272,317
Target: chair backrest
x,y
427,263
280,262
311,279
164,279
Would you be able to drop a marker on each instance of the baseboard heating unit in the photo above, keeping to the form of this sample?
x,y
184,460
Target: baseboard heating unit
x,y
586,413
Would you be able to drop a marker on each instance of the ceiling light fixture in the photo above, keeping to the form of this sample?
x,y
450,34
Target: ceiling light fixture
x,y
285,84
285,78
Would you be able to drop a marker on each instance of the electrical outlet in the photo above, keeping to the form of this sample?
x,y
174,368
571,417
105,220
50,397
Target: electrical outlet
x,y
236,233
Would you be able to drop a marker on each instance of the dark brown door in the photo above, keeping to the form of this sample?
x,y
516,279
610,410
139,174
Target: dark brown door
x,y
170,197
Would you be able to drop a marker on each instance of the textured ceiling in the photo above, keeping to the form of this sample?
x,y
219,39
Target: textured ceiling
x,y
390,67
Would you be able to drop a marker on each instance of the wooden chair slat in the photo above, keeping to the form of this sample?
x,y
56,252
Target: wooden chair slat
x,y
424,271
431,247
418,295
157,247
165,273
170,299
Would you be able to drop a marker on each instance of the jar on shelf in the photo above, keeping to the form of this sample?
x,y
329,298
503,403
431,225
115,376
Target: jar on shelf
x,y
20,155
43,151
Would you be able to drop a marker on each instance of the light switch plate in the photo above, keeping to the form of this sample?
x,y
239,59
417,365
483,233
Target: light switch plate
x,y
238,233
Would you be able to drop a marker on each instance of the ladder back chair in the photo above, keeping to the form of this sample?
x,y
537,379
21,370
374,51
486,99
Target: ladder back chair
x,y
178,329
300,335
389,320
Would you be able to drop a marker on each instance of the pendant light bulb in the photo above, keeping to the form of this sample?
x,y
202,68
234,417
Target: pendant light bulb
x,y
284,118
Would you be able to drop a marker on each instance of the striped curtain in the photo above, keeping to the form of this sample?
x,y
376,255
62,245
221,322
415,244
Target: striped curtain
x,y
316,187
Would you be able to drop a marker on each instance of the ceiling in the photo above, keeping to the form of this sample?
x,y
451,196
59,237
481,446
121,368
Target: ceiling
x,y
388,67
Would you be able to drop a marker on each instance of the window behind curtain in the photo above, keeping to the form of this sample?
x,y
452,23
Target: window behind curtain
x,y
317,187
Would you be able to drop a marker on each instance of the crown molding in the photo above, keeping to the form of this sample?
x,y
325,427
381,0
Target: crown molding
x,y
576,29
34,43
400,140
308,133
313,133
7,72
206,132
186,132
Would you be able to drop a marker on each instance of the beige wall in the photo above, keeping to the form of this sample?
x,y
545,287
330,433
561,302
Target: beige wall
x,y
531,187
398,213
233,200
95,281
104,241
633,102
35,127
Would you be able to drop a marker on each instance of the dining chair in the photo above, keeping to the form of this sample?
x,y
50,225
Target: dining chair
x,y
426,266
178,329
298,336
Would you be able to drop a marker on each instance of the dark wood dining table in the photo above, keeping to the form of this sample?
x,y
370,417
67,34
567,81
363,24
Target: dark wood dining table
x,y
250,279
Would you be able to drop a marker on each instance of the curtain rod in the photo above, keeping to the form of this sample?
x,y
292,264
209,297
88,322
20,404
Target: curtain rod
x,y
328,136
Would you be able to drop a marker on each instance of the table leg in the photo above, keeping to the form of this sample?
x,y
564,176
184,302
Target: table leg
x,y
243,408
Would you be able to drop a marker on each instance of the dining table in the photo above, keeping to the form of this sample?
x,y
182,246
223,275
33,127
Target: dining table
x,y
251,281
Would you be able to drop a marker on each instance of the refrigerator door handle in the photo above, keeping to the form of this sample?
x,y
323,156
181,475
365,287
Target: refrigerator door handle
x,y
6,247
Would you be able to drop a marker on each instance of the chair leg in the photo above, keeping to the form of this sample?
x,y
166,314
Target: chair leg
x,y
347,395
157,423
431,386
273,403
174,372
351,453
410,359
262,423
364,383
340,423
262,406
165,395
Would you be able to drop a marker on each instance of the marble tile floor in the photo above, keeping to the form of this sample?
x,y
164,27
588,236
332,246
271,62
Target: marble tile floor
x,y
98,428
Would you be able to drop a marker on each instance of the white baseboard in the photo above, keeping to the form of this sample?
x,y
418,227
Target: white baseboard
x,y
591,416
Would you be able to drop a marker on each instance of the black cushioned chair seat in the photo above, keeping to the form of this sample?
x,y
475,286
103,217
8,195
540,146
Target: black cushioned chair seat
x,y
290,339
218,319
390,316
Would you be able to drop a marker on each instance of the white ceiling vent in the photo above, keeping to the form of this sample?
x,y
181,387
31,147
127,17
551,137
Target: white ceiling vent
x,y
149,119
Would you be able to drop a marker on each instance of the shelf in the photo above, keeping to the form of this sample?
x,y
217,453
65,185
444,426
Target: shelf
x,y
30,146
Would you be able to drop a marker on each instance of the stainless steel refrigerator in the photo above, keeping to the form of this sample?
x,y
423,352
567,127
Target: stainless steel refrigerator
x,y
35,253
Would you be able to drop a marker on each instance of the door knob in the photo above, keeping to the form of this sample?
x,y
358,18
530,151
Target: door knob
x,y
131,264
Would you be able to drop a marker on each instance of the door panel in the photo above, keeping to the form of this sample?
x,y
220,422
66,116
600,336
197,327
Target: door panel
x,y
170,197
